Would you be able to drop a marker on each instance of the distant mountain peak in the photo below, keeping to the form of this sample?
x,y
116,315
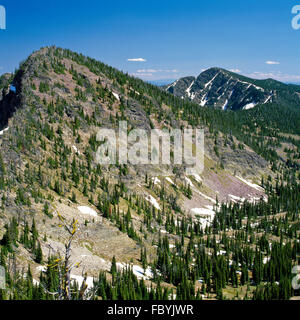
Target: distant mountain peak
x,y
226,90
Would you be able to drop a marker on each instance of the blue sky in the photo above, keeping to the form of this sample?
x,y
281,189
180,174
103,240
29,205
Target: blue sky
x,y
175,38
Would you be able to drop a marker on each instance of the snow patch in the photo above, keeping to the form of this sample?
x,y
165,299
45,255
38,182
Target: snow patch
x,y
188,90
208,211
35,282
206,197
75,149
79,280
197,178
266,260
116,96
211,81
41,268
153,201
1,132
203,101
252,185
141,273
236,198
249,106
172,85
224,107
138,271
251,85
268,99
189,182
156,180
88,211
170,180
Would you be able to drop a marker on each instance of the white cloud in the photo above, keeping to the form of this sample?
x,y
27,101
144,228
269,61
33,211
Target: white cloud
x,y
137,60
146,71
156,71
272,62
235,70
142,74
283,77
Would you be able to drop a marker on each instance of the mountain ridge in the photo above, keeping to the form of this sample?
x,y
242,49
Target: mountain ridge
x,y
129,214
226,90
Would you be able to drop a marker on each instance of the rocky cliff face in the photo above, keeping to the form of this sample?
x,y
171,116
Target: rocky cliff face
x,y
10,96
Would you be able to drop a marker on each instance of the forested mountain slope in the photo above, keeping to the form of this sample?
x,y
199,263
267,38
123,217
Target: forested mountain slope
x,y
136,233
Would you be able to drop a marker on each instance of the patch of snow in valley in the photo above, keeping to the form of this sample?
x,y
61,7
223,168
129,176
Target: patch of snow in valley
x,y
251,85
156,180
172,85
170,180
41,268
236,198
193,95
153,201
116,96
255,224
204,222
224,107
258,88
197,178
189,182
211,81
203,101
35,282
4,130
88,211
231,93
188,90
206,197
79,280
208,211
268,99
141,274
138,271
250,184
253,199
249,106
75,149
